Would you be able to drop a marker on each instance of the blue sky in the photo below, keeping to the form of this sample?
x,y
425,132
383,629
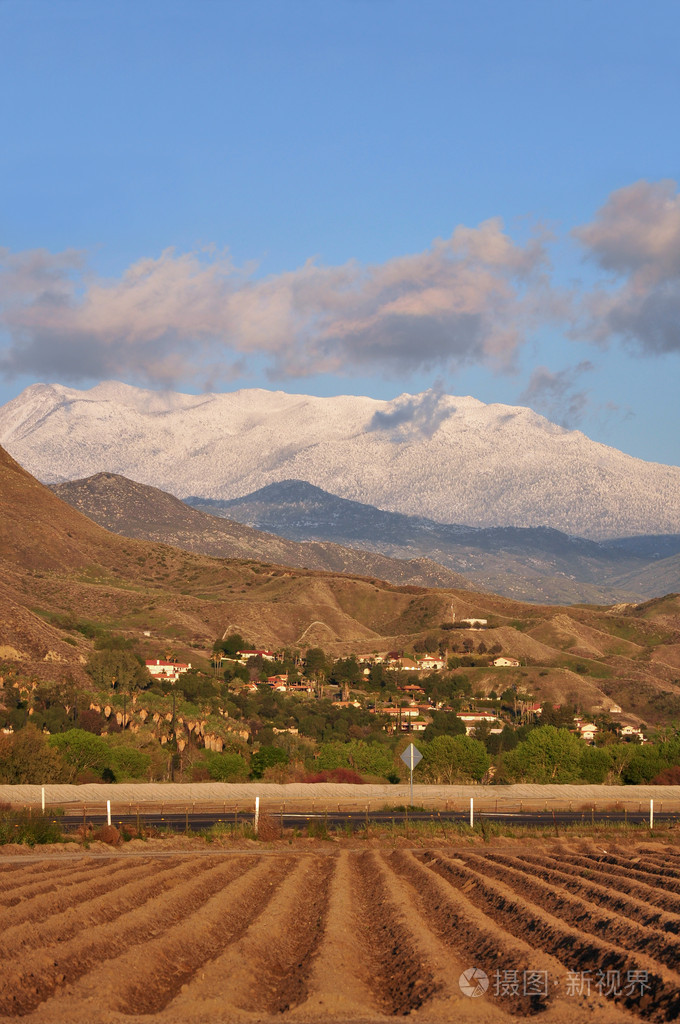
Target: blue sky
x,y
357,196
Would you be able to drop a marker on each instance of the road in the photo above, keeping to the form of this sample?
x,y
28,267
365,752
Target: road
x,y
198,821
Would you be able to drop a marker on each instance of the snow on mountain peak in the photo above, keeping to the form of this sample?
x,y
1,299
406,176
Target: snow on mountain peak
x,y
453,459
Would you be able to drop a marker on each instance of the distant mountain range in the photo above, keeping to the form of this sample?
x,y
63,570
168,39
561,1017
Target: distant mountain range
x,y
533,563
299,519
452,460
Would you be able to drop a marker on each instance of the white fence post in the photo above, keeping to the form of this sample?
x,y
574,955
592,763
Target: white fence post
x,y
651,814
257,813
43,799
108,812
472,812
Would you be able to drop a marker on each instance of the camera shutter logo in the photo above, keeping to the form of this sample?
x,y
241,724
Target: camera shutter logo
x,y
473,982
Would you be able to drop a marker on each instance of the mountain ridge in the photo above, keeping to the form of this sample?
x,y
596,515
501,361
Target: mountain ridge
x,y
537,564
136,510
450,459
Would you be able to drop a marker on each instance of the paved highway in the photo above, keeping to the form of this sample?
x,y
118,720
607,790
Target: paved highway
x,y
198,821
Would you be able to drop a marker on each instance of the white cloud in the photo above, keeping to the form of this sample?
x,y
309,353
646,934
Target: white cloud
x,y
467,299
635,237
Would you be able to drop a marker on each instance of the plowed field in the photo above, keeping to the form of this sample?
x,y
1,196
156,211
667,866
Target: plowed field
x,y
561,932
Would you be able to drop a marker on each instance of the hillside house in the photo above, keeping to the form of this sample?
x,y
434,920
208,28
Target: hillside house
x,y
471,719
587,731
408,665
245,656
169,671
504,662
412,690
432,664
632,731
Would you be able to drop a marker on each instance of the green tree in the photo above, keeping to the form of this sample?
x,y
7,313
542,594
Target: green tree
x,y
119,669
450,759
128,762
232,645
596,765
316,663
547,755
557,716
227,767
443,723
82,751
266,757
646,762
27,758
365,758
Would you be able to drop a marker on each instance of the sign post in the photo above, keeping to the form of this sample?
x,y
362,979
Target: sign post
x,y
411,757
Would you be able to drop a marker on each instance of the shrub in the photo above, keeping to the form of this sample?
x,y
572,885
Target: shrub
x,y
225,767
82,751
366,758
668,777
20,827
129,763
107,834
266,757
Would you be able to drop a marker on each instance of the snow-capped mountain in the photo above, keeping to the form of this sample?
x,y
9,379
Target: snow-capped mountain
x,y
454,460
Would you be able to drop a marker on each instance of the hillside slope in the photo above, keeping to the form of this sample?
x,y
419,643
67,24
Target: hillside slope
x,y
450,459
63,578
147,513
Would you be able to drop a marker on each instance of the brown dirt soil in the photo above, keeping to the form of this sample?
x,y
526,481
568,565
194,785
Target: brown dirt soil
x,y
312,932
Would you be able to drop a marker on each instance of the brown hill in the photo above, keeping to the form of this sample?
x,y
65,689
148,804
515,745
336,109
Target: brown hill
x,y
38,531
147,513
63,577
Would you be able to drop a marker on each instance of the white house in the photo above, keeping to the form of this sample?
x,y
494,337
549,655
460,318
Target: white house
x,y
432,663
632,730
504,662
587,731
168,670
471,719
244,656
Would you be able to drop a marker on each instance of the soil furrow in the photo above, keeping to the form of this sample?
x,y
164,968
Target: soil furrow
x,y
12,875
42,972
619,883
474,940
71,892
128,894
582,913
446,964
344,992
174,959
399,980
68,874
666,877
661,1001
265,967
635,909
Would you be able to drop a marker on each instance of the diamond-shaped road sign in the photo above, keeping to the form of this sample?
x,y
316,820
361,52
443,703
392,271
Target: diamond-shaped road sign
x,y
411,756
